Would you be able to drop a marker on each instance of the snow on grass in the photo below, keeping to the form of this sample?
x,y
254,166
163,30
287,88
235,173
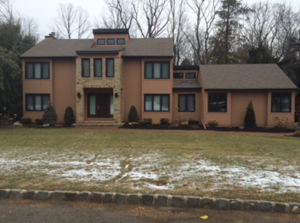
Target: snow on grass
x,y
155,171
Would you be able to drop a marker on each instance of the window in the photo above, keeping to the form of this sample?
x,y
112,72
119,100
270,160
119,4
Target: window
x,y
85,67
157,102
97,67
281,102
37,102
186,102
110,67
121,41
110,41
157,70
100,41
190,75
37,70
217,102
178,75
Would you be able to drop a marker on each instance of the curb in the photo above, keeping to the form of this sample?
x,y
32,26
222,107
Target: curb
x,y
158,200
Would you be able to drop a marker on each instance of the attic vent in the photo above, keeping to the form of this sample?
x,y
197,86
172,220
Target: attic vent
x,y
185,82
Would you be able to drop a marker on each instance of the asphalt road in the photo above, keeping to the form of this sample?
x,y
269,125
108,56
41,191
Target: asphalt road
x,y
23,211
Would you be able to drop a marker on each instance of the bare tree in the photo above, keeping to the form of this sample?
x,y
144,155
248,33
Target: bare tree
x,y
71,19
6,11
203,29
154,17
178,23
119,16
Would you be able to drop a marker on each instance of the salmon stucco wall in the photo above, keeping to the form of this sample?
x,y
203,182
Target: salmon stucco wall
x,y
239,104
284,117
157,86
179,116
64,92
132,70
223,118
36,86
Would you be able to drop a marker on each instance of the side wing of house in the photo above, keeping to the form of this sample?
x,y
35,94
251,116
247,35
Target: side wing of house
x,y
229,89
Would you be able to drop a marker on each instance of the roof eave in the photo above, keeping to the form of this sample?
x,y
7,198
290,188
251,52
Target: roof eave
x,y
146,56
96,52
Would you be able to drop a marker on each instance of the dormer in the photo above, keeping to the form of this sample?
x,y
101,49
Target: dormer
x,y
110,37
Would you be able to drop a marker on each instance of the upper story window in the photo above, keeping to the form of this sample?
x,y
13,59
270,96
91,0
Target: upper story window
x,y
85,68
97,67
37,102
217,102
100,41
37,70
110,67
121,41
190,75
157,70
110,41
178,75
186,102
281,102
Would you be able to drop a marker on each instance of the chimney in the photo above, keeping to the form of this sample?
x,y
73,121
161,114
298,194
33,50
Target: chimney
x,y
50,36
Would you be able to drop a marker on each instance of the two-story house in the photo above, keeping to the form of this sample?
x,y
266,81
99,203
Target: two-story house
x,y
101,78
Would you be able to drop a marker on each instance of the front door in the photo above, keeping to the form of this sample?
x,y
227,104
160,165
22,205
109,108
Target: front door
x,y
100,106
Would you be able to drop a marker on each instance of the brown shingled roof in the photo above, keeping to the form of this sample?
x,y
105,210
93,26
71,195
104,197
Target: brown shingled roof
x,y
101,50
161,47
58,48
245,76
178,84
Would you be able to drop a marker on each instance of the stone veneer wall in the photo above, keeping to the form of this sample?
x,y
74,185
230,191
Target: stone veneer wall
x,y
116,83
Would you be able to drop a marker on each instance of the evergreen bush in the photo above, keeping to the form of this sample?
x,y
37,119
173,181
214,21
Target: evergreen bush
x,y
69,117
133,115
250,120
49,116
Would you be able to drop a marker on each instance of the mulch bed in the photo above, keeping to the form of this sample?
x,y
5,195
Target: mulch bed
x,y
191,127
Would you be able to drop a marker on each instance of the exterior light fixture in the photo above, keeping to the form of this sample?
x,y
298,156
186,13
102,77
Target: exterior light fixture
x,y
78,95
116,95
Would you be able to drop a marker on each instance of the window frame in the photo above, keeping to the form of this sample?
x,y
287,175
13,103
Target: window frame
x,y
111,43
186,102
101,71
99,40
190,77
123,39
33,74
280,103
152,102
34,95
152,74
182,74
217,95
87,59
106,70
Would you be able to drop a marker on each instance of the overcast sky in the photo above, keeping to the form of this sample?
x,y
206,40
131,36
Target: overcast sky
x,y
45,11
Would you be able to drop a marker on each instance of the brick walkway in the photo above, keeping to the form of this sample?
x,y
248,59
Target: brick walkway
x,y
115,128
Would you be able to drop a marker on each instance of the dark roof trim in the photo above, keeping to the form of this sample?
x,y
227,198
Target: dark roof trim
x,y
139,56
196,67
250,89
97,52
187,89
110,31
45,57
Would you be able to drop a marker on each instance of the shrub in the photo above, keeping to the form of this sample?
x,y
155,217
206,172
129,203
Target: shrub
x,y
49,116
297,133
249,120
149,120
133,115
38,121
213,123
193,122
284,123
164,121
69,117
26,121
156,123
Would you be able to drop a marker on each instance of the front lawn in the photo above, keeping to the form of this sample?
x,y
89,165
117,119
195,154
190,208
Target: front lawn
x,y
189,163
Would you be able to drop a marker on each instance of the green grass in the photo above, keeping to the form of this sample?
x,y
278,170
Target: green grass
x,y
164,152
